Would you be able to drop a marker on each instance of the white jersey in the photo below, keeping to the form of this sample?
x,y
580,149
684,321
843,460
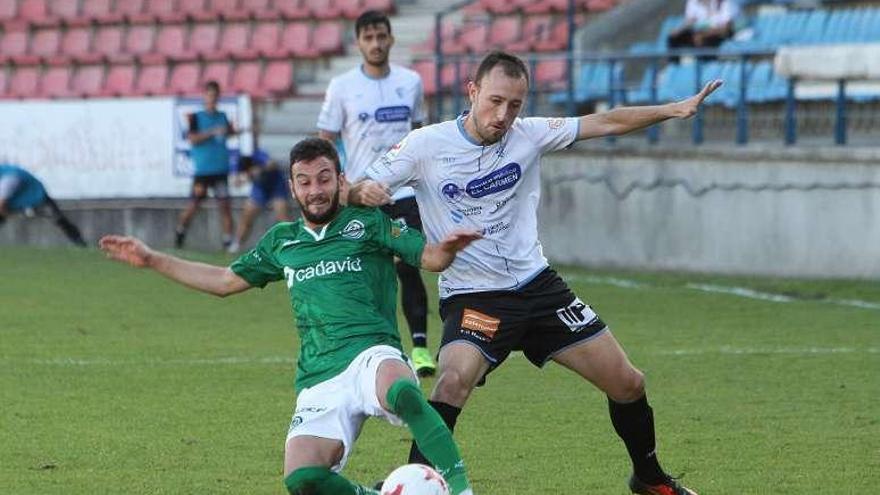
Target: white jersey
x,y
372,115
462,184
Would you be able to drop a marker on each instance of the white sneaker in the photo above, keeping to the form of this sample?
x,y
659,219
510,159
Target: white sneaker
x,y
233,247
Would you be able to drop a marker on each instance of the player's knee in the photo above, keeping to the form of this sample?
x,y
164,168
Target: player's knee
x,y
306,480
405,398
631,386
452,388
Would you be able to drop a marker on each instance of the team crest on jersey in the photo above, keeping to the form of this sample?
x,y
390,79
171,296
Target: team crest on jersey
x,y
451,192
354,230
555,123
395,150
363,116
398,227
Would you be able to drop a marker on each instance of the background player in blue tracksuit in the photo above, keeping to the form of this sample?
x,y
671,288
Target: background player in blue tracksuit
x,y
269,188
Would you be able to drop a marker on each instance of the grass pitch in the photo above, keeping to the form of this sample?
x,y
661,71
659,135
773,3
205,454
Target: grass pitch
x,y
118,381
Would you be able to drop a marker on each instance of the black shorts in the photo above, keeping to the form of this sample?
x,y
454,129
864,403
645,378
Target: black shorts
x,y
405,209
218,184
540,319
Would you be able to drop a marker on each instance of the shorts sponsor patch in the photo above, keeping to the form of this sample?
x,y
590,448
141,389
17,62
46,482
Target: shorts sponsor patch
x,y
577,315
479,325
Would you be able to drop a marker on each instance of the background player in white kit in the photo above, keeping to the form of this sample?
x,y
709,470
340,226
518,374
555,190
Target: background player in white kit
x,y
482,169
372,107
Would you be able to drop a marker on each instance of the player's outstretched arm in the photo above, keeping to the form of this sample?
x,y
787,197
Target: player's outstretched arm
x,y
217,280
437,257
628,119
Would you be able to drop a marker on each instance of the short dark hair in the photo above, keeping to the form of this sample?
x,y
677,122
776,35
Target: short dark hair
x,y
512,66
311,148
212,85
371,18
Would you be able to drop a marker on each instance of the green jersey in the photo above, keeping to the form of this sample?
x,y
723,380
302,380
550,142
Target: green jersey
x,y
342,284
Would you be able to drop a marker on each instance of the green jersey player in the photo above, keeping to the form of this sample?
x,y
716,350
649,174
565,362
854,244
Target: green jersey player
x,y
338,264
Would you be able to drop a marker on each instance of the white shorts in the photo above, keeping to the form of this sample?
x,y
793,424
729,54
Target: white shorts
x,y
336,408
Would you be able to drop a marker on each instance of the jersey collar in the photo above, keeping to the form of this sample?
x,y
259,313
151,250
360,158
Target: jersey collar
x,y
460,123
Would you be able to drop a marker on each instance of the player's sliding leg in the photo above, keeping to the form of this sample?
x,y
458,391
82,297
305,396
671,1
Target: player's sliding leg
x,y
307,462
603,362
414,300
405,399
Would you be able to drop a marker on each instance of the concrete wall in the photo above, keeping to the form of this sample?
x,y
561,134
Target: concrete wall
x,y
813,212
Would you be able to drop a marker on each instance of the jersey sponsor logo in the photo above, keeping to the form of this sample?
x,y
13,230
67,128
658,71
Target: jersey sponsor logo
x,y
500,180
496,228
479,325
398,227
399,113
502,203
577,315
459,214
322,269
354,230
451,191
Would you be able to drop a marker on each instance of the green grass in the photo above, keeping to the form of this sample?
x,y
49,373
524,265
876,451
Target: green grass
x,y
117,381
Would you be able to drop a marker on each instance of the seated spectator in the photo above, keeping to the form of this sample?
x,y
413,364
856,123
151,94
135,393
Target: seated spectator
x,y
707,24
21,192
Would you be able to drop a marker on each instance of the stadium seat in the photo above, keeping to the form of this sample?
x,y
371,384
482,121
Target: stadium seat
x,y
427,70
66,13
4,79
170,45
14,46
535,28
546,7
203,39
550,74
151,80
327,38
260,9
33,11
120,81
108,43
386,6
447,35
323,9
75,45
184,79
265,38
8,11
100,11
45,43
87,80
55,83
504,30
162,11
217,71
140,40
233,42
130,10
599,5
350,9
473,37
278,78
500,7
228,10
196,10
296,40
246,78
24,82
293,9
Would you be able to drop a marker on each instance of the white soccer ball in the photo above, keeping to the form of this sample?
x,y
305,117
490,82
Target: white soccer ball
x,y
414,479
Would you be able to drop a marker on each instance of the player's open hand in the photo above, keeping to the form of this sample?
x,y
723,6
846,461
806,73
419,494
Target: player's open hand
x,y
687,108
369,193
459,239
126,249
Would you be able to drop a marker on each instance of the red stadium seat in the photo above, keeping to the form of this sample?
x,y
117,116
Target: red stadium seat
x,y
163,11
473,37
502,6
151,80
265,39
14,46
88,80
600,5
327,38
278,78
550,74
228,10
139,40
350,9
170,44
100,11
260,9
293,9
217,71
554,40
535,28
4,79
323,9
120,81
76,44
8,10
197,10
246,78
25,83
504,30
184,80
45,43
108,42
33,11
56,83
386,6
203,39
233,42
130,9
297,40
427,70
547,7
65,12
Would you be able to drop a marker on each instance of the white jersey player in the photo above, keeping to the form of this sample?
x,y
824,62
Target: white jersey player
x,y
372,107
500,295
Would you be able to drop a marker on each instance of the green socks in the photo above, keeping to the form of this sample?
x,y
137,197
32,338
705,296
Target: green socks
x,y
319,480
430,433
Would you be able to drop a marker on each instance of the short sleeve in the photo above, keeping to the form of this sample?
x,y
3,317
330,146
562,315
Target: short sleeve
x,y
405,242
398,167
332,117
418,112
551,133
258,266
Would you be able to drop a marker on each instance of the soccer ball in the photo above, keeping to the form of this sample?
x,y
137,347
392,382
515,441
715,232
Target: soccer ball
x,y
414,479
